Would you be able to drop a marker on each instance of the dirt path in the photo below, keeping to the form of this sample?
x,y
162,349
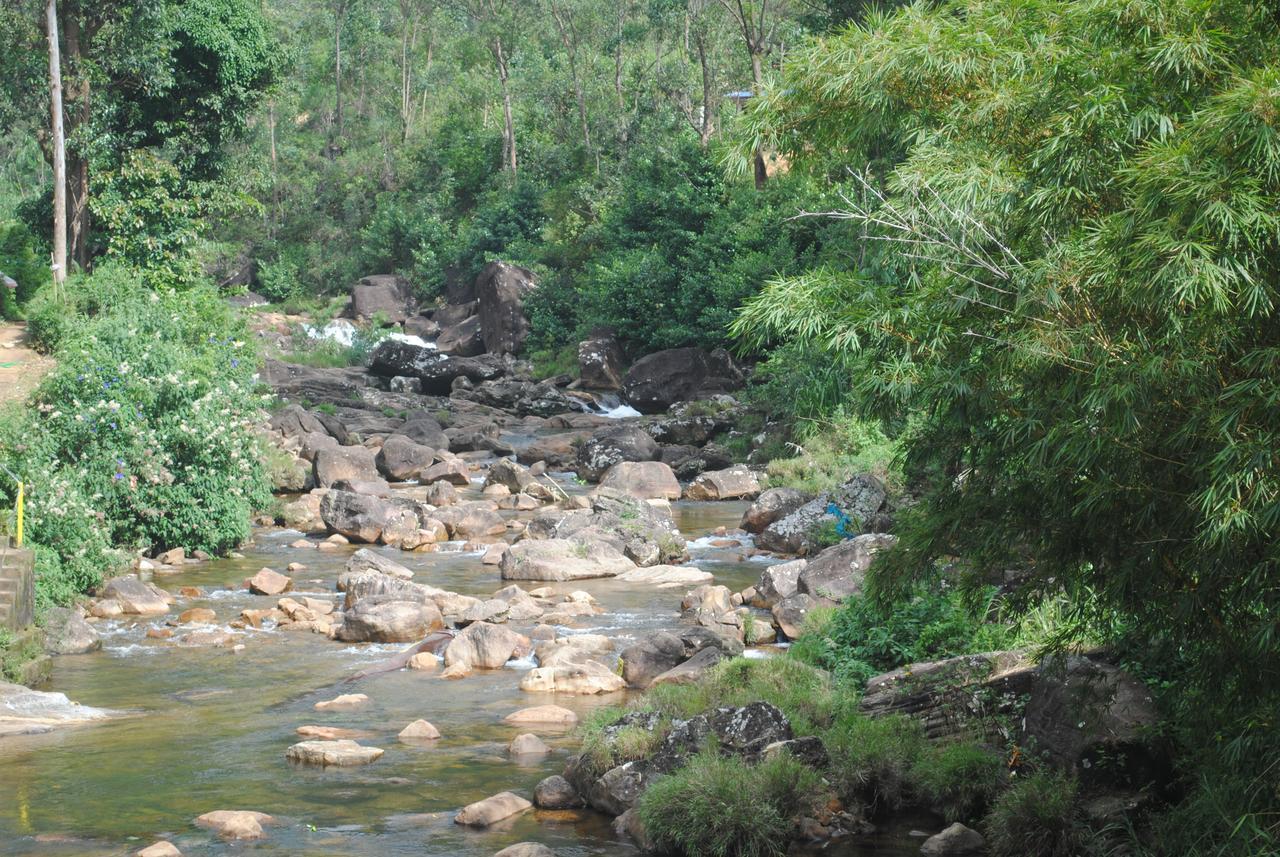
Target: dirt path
x,y
20,368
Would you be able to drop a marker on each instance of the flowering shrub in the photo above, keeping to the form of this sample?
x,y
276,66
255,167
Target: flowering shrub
x,y
143,435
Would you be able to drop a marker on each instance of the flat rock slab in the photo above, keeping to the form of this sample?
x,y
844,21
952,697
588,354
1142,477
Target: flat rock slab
x,y
666,575
345,702
340,754
491,810
548,715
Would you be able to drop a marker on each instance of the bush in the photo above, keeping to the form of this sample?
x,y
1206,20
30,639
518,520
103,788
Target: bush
x,y
143,436
21,259
958,781
1037,816
833,449
872,760
721,807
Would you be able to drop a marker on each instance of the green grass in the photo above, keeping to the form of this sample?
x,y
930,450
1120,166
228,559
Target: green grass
x,y
1037,815
958,781
550,362
829,451
872,759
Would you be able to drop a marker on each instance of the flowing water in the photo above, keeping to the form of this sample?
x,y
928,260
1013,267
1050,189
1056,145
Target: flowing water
x,y
206,728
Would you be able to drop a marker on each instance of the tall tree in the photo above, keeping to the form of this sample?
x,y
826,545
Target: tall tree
x,y
567,27
59,146
758,21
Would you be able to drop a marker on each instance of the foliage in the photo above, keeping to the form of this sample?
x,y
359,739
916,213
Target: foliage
x,y
142,437
872,759
832,449
1037,815
861,639
958,781
20,259
719,806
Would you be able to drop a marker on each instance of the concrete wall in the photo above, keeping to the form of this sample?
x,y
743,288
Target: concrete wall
x,y
17,588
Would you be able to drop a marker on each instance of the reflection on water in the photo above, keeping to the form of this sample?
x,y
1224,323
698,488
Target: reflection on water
x,y
207,728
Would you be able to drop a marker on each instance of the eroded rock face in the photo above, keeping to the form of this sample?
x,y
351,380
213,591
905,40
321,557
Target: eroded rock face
x,y
862,498
839,571
644,480
771,505
375,620
501,290
656,382
600,363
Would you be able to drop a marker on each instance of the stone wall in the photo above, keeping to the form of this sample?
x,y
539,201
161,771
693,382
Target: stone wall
x,y
17,588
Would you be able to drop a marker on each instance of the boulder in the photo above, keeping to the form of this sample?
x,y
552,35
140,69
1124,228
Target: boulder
x,y
159,849
291,381
358,517
613,444
472,522
559,451
664,576
303,514
457,308
555,792
343,702
424,662
778,583
656,382
790,613
353,463
862,498
955,841
402,459
692,670
373,620
235,824
296,421
543,715
197,616
643,532
600,363
526,849
421,327
482,645
366,560
839,571
646,480
486,812
419,730
422,429
501,290
662,651
137,596
67,633
574,649
509,474
268,582
454,471
771,505
386,296
435,369
735,483
695,423
589,677
562,559
528,744
441,493
463,339
343,753
294,476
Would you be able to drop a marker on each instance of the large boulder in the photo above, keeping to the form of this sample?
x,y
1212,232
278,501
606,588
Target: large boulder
x,y
559,451
613,444
500,292
358,517
790,614
663,651
491,810
656,382
67,633
137,596
462,339
839,571
437,371
455,311
584,679
555,792
481,645
778,582
525,398
401,458
862,499
511,475
562,559
735,483
365,560
312,383
349,463
296,421
375,620
645,480
771,505
643,532
600,363
381,295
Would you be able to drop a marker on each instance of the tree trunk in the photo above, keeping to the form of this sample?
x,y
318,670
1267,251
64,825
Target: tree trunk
x,y
77,163
338,15
708,123
508,119
59,148
569,38
757,75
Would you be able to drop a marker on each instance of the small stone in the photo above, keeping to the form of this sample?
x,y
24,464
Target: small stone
x,y
527,744
526,849
420,730
955,841
191,592
485,812
159,633
201,615
555,792
342,753
345,702
424,661
235,824
295,567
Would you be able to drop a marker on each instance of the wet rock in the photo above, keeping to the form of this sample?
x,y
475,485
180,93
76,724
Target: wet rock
x,y
573,649
374,620
422,429
344,702
548,715
343,753
555,792
268,582
562,559
526,849
436,370
600,363
691,670
67,633
770,506
640,530
472,522
778,583
612,445
482,645
956,841
663,576
587,678
359,517
419,730
486,812
344,462
790,613
159,849
424,662
528,744
630,824
735,483
402,459
750,728
197,615
839,571
501,289
454,471
235,824
645,480
862,498
559,451
656,382
136,596
365,560
464,339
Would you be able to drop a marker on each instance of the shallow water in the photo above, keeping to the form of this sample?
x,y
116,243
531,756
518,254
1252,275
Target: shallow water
x,y
206,728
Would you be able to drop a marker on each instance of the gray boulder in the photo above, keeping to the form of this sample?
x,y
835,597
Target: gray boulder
x,y
344,462
956,841
463,339
656,382
660,652
375,620
839,571
772,504
501,290
613,444
600,363
862,498
384,295
67,633
401,459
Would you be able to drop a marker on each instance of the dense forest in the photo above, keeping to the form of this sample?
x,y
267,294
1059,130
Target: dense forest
x,y
1020,258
